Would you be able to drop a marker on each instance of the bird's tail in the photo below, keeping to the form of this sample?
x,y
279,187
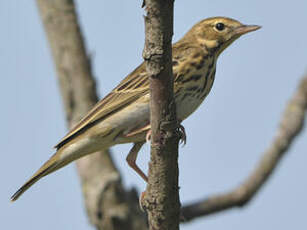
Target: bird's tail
x,y
51,165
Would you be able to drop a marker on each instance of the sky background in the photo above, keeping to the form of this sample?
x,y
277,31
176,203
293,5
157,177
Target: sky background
x,y
225,137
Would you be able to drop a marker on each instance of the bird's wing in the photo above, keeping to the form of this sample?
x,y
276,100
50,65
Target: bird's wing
x,y
134,86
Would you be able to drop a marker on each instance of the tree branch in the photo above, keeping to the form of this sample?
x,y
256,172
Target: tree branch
x,y
108,205
161,199
291,125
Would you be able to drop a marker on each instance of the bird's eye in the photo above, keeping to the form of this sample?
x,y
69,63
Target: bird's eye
x,y
219,26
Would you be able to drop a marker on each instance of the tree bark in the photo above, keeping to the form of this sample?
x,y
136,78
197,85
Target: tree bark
x,y
108,205
161,199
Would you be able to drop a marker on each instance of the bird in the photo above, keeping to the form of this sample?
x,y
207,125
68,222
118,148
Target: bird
x,y
123,115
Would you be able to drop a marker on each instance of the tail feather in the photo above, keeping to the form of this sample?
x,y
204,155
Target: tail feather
x,y
50,166
58,160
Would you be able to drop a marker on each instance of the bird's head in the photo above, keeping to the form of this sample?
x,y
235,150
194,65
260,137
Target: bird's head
x,y
217,33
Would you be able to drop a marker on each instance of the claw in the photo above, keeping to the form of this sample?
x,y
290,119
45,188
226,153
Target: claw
x,y
183,138
141,201
148,135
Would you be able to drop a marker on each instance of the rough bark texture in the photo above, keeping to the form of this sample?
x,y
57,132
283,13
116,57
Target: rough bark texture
x,y
291,125
161,198
108,205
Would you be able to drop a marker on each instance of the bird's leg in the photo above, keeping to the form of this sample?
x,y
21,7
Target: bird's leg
x,y
136,148
131,159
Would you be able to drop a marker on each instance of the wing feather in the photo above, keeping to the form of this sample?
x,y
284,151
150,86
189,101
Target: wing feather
x,y
129,90
134,86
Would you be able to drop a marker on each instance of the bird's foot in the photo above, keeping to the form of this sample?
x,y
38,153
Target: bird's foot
x,y
183,136
181,129
141,201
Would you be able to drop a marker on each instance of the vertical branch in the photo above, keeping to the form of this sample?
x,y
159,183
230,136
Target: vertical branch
x,y
162,198
108,205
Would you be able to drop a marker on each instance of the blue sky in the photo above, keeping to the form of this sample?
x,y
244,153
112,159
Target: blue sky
x,y
226,136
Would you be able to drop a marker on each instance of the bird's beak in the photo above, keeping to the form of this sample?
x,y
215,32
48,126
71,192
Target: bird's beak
x,y
245,29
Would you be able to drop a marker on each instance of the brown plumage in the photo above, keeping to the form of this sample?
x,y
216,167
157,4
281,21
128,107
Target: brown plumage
x,y
123,115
